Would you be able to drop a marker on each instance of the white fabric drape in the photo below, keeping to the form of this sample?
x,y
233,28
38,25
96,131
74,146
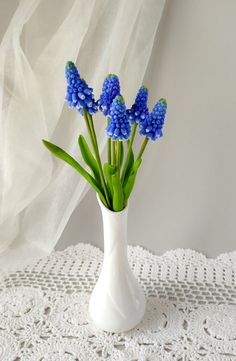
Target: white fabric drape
x,y
38,193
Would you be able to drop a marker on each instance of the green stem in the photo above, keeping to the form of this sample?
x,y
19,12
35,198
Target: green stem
x,y
108,146
129,151
88,125
145,142
113,148
89,118
118,154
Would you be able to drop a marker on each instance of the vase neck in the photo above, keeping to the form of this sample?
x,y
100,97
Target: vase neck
x,y
115,231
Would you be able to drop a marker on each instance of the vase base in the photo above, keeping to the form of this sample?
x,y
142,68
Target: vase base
x,y
124,325
112,318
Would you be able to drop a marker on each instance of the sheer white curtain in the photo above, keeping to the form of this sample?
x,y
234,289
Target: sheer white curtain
x,y
38,193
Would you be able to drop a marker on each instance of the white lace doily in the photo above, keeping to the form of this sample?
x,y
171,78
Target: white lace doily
x,y
191,309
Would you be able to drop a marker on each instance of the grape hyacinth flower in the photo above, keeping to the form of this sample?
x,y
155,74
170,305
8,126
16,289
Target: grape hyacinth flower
x,y
113,180
110,89
119,127
79,95
153,124
139,110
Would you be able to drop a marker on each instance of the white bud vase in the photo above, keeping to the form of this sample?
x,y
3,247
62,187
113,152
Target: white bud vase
x,y
117,302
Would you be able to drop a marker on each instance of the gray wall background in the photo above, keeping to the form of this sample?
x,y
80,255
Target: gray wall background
x,y
185,195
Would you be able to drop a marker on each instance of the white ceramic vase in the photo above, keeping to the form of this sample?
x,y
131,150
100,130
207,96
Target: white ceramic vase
x,y
117,302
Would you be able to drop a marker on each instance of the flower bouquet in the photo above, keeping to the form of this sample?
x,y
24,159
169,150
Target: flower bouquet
x,y
117,302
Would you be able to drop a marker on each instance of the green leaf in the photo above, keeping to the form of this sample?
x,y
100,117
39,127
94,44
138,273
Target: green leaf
x,y
88,157
118,194
109,170
129,167
61,154
131,180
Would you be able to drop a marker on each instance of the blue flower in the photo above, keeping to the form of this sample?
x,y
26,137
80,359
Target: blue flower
x,y
110,89
78,94
119,127
139,110
153,124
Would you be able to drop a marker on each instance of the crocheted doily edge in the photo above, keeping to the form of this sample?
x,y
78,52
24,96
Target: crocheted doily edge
x,y
228,258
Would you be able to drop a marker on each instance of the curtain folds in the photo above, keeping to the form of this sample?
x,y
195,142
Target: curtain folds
x,y
38,193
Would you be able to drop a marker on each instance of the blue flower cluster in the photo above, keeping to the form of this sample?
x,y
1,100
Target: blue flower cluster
x,y
78,94
110,89
139,110
119,127
152,126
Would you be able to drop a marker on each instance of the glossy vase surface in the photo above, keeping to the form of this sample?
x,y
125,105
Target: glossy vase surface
x,y
117,302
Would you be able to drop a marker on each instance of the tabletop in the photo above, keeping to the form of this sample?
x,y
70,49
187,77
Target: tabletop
x,y
191,309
